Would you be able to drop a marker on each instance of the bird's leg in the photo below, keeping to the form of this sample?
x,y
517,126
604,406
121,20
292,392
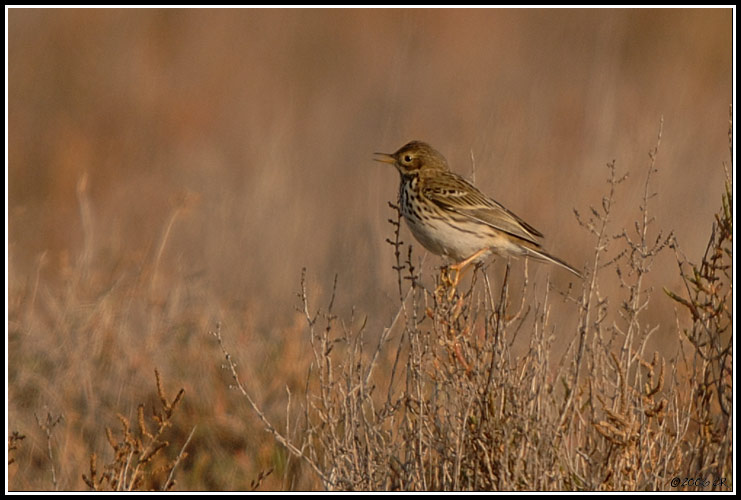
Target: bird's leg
x,y
461,266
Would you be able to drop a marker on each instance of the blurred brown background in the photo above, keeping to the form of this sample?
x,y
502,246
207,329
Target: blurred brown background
x,y
214,153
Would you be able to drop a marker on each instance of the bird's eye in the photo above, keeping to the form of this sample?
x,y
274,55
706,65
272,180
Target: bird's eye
x,y
408,158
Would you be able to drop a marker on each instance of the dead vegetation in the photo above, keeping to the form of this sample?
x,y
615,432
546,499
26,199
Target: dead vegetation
x,y
462,389
457,409
171,170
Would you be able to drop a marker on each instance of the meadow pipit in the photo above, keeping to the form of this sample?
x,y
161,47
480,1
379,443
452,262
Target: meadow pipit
x,y
451,217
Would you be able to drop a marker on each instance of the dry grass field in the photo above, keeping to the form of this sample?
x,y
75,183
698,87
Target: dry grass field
x,y
192,192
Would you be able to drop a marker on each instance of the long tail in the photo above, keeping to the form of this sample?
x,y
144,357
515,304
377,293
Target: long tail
x,y
540,254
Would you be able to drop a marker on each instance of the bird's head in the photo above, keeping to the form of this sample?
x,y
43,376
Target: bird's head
x,y
414,157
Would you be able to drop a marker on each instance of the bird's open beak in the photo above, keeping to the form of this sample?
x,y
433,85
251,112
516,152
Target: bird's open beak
x,y
385,158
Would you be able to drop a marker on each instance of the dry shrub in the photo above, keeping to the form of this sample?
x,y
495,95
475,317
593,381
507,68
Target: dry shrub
x,y
443,401
463,390
137,462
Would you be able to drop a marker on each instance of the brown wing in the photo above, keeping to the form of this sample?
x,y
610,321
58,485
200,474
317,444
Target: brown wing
x,y
452,192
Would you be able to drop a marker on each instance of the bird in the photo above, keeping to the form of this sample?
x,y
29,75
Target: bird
x,y
452,218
